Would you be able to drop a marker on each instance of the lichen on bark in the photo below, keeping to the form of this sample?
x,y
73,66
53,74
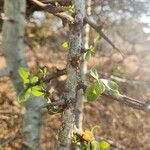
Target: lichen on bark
x,y
73,76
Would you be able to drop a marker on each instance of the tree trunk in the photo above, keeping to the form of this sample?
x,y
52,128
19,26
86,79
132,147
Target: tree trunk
x,y
12,43
73,76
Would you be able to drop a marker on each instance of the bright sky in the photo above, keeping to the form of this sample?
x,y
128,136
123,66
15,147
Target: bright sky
x,y
146,19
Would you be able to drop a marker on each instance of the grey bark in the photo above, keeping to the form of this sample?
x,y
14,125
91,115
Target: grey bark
x,y
83,71
12,43
73,76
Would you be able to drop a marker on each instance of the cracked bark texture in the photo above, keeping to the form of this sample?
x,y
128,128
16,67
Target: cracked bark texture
x,y
12,45
73,76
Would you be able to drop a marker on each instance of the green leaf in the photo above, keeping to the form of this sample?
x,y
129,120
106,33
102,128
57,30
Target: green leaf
x,y
65,45
94,90
117,72
71,8
88,146
87,55
104,144
91,49
95,145
95,128
34,79
37,91
25,94
111,85
24,74
43,71
93,73
96,40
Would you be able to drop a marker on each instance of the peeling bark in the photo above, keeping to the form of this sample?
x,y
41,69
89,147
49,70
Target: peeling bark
x,y
12,43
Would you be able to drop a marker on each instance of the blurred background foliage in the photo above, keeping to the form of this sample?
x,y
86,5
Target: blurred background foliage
x,y
127,24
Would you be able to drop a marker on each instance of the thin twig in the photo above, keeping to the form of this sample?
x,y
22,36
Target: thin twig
x,y
99,30
62,2
131,102
56,74
66,17
69,18
47,79
122,80
59,12
61,102
49,7
52,104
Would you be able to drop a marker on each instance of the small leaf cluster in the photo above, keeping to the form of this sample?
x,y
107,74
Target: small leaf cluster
x,y
65,44
92,48
87,141
35,86
71,8
98,87
30,86
111,86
